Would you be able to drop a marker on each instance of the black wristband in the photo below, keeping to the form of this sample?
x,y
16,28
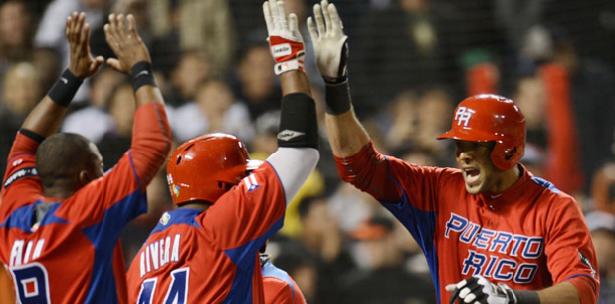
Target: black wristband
x,y
141,74
337,97
526,297
32,135
298,126
64,90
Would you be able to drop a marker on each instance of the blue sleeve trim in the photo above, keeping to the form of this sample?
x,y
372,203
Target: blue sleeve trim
x,y
244,257
134,170
103,236
177,217
22,217
545,183
421,225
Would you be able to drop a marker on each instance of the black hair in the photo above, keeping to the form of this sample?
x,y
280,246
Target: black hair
x,y
61,157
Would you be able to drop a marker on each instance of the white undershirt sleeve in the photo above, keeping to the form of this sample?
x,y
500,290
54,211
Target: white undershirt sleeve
x,y
293,166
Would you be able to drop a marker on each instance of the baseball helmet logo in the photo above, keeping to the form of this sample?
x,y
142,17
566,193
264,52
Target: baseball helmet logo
x,y
463,116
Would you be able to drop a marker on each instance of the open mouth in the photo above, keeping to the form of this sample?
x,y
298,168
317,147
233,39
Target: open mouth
x,y
471,175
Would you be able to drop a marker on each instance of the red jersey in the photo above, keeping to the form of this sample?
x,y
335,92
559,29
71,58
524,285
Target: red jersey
x,y
280,288
70,255
531,236
211,256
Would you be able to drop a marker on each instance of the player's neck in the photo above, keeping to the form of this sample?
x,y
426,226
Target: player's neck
x,y
505,180
58,192
198,206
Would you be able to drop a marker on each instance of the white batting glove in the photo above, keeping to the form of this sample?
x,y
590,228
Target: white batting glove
x,y
329,41
478,290
284,38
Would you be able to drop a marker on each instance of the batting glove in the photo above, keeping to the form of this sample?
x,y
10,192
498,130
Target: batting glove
x,y
478,290
284,38
329,42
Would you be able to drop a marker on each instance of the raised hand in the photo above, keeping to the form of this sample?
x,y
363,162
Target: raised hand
x,y
328,41
82,63
122,36
284,38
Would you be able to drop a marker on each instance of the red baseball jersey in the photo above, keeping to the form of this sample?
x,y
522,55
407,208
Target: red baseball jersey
x,y
211,256
280,288
70,255
531,236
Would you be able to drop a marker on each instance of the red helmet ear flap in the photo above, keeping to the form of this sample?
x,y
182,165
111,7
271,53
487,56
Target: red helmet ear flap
x,y
505,157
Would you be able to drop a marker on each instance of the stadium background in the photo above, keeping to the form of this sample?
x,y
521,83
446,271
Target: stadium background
x,y
411,61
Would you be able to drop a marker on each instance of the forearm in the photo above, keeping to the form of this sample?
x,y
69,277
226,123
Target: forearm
x,y
345,133
295,82
562,293
45,118
151,140
148,94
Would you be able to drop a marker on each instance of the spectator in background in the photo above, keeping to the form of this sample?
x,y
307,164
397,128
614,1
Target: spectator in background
x,y
256,85
192,69
580,105
323,239
21,90
15,33
204,26
603,188
121,109
415,119
301,267
602,227
215,109
93,121
400,48
382,272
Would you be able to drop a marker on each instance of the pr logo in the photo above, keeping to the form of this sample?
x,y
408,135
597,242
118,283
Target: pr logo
x,y
463,116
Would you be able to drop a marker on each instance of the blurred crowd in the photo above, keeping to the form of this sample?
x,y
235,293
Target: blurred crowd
x,y
411,61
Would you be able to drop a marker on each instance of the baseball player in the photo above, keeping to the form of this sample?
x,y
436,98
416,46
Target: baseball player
x,y
490,230
206,250
60,217
279,286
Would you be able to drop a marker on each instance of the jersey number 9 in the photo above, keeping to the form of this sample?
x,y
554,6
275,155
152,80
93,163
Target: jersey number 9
x,y
31,283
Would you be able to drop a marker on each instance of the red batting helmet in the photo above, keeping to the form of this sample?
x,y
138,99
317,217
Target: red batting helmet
x,y
206,167
491,118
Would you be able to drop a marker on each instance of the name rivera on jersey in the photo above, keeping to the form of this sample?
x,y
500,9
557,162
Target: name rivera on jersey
x,y
529,248
159,253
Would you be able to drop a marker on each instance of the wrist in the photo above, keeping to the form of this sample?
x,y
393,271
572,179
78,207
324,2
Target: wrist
x,y
526,297
337,97
65,88
141,74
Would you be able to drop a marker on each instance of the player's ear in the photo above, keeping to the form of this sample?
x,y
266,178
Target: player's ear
x,y
84,178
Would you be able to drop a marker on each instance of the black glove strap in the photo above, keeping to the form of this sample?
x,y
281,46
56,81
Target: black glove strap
x,y
64,90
